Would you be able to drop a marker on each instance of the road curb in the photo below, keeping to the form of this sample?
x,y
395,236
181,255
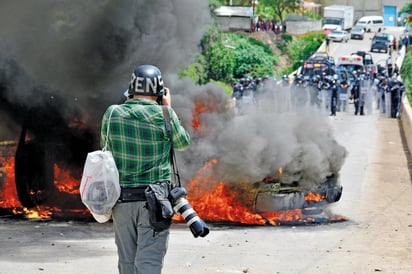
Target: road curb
x,y
406,123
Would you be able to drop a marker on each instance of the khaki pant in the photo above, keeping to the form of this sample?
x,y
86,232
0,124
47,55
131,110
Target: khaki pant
x,y
140,251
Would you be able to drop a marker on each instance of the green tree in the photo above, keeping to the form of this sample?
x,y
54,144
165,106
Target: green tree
x,y
221,62
300,48
251,57
279,8
196,71
229,56
407,8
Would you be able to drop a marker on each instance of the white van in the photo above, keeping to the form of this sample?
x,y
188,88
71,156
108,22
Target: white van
x,y
370,23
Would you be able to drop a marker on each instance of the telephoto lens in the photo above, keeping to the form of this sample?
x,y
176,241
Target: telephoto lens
x,y
181,205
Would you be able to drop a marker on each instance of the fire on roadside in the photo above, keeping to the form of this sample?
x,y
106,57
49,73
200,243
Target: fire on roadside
x,y
214,201
9,198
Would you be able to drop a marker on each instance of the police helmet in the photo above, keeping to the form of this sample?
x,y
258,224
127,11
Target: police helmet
x,y
146,80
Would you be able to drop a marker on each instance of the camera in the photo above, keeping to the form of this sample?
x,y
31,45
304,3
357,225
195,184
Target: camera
x,y
197,226
160,97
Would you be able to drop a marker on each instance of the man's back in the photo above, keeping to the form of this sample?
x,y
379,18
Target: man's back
x,y
140,144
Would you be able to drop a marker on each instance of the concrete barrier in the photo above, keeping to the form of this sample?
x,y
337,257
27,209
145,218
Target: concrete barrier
x,y
406,123
406,110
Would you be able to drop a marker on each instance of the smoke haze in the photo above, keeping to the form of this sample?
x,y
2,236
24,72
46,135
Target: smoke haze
x,y
85,51
276,133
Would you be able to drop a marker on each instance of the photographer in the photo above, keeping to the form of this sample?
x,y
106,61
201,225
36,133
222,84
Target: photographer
x,y
141,146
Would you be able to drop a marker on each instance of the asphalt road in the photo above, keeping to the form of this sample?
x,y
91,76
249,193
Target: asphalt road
x,y
377,236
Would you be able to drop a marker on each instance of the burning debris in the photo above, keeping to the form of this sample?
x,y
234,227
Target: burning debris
x,y
262,168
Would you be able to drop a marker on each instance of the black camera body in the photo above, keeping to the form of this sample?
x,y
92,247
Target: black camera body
x,y
197,226
160,97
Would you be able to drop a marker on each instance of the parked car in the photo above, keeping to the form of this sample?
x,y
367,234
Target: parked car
x,y
370,23
380,42
339,36
323,57
357,32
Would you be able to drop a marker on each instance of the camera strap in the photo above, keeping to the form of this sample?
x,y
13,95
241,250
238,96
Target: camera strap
x,y
172,152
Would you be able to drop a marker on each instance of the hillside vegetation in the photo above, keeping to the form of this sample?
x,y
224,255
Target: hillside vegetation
x,y
226,57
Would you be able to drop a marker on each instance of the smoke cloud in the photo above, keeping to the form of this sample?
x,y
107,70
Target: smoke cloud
x,y
85,51
279,131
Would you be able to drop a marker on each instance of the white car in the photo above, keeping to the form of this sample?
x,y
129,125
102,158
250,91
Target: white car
x,y
339,36
357,33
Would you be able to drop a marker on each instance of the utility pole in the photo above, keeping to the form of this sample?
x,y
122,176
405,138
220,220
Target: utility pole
x,y
254,5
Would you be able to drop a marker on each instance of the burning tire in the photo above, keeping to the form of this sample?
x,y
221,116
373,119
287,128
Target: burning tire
x,y
272,197
270,202
33,171
49,143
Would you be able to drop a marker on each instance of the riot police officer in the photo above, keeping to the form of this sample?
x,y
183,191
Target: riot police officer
x,y
343,94
356,95
333,96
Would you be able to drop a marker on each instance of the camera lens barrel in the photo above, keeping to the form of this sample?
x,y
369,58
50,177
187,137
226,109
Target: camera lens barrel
x,y
186,210
197,226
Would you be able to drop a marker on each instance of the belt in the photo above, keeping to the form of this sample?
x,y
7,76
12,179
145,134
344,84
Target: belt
x,y
132,195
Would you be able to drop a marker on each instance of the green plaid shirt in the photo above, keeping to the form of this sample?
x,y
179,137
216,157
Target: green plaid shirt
x,y
139,142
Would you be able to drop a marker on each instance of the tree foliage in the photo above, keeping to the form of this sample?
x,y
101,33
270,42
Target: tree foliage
x,y
279,8
302,47
229,56
251,57
407,8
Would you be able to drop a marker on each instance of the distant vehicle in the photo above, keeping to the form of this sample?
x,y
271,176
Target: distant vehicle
x,y
318,63
323,56
370,67
357,32
370,23
367,57
380,42
339,36
337,17
351,63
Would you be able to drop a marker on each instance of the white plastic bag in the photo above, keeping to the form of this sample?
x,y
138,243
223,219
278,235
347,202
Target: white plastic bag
x,y
99,188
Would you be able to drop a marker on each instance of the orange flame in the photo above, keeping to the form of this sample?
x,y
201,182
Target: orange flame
x,y
280,170
65,182
314,197
213,200
40,212
199,108
220,205
274,218
217,202
8,196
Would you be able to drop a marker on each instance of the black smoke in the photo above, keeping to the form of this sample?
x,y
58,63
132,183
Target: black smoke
x,y
79,55
276,133
84,51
